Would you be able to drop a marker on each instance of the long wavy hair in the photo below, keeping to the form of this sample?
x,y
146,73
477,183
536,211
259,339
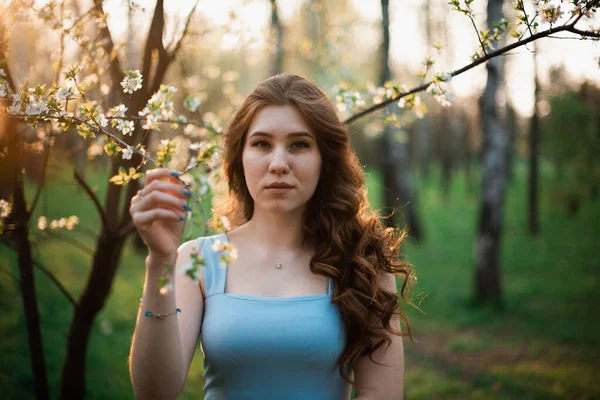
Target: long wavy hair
x,y
352,246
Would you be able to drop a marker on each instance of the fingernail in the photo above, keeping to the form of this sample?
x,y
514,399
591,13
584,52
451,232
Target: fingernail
x,y
187,192
181,218
186,207
175,174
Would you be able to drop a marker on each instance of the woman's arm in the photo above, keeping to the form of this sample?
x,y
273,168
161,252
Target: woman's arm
x,y
162,349
382,382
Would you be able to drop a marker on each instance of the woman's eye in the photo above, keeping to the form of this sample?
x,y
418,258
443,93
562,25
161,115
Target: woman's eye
x,y
260,143
300,145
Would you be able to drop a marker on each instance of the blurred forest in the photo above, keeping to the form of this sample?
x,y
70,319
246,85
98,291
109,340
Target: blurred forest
x,y
509,320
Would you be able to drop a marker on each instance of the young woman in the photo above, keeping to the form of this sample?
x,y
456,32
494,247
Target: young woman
x,y
311,301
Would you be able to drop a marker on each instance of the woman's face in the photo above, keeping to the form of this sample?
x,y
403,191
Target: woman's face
x,y
281,160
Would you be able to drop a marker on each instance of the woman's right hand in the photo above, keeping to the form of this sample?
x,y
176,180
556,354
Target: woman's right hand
x,y
158,212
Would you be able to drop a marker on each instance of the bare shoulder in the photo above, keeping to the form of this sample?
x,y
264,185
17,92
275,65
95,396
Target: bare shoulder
x,y
186,254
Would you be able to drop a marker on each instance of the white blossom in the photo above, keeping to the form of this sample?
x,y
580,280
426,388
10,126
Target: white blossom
x,y
118,111
214,161
126,127
204,185
194,272
105,89
2,73
225,222
4,208
42,223
4,88
127,153
132,81
151,122
15,108
36,107
192,103
66,90
71,222
102,120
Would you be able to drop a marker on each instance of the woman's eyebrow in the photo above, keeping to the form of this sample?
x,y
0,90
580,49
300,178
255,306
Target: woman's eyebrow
x,y
291,134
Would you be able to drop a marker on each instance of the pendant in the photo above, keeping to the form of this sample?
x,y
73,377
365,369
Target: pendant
x,y
278,265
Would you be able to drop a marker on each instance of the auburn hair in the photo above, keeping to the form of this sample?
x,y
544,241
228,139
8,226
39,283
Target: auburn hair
x,y
352,245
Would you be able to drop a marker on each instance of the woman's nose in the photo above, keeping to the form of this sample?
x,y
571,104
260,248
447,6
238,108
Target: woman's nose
x,y
279,163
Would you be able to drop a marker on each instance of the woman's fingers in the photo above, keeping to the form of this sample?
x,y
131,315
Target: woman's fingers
x,y
161,174
175,188
159,199
142,218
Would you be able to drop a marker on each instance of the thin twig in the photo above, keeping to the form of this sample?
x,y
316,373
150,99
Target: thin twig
x,y
126,230
13,276
46,272
572,38
55,280
94,198
522,4
185,29
89,232
71,241
478,35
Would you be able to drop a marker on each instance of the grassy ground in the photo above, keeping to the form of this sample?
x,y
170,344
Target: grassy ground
x,y
544,345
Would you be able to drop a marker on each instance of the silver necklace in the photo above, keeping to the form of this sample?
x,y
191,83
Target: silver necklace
x,y
278,265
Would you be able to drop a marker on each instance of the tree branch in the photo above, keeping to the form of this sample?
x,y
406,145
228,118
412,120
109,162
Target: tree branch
x,y
13,276
126,230
584,33
49,274
153,42
546,33
71,241
522,5
95,200
95,128
185,30
116,73
56,282
478,35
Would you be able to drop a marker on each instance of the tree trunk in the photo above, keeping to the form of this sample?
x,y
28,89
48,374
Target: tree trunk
x,y
534,138
447,149
276,29
394,158
96,291
511,132
487,244
423,125
20,218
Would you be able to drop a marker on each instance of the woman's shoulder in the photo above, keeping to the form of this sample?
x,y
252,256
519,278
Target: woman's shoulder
x,y
198,243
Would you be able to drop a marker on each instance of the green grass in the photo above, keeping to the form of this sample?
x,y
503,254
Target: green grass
x,y
543,346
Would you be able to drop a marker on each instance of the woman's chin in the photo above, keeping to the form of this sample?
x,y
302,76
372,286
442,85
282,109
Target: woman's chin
x,y
280,207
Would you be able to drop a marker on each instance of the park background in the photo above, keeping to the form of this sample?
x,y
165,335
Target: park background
x,y
537,341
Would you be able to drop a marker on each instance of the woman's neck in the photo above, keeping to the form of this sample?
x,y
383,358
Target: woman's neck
x,y
276,231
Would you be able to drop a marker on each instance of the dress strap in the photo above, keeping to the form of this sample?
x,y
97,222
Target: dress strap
x,y
330,286
214,273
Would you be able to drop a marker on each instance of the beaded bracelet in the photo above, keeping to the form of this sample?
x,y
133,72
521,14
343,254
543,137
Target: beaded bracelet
x,y
159,316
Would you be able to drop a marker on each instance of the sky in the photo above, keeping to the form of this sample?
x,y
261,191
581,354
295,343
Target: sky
x,y
407,43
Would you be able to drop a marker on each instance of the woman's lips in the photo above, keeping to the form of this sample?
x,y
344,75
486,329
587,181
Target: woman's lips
x,y
279,190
